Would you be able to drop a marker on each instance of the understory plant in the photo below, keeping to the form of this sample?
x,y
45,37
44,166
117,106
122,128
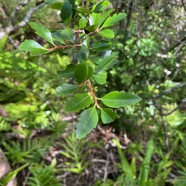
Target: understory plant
x,y
86,34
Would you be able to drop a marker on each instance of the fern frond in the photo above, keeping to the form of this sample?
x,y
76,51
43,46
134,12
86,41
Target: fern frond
x,y
4,126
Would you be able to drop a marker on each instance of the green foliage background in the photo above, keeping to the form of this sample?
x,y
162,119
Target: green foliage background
x,y
150,49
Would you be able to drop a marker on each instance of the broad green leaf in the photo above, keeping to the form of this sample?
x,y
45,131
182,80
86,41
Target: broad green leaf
x,y
33,47
107,33
56,6
93,19
58,37
78,102
102,46
117,99
104,16
103,63
100,7
42,31
91,28
82,22
67,35
108,115
87,121
3,42
65,89
114,19
68,72
83,72
66,11
101,77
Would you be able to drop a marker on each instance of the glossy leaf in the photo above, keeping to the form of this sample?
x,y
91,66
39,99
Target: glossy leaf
x,y
114,19
102,46
94,18
58,37
101,77
82,22
78,102
117,99
101,6
91,28
66,11
87,121
65,89
107,33
42,31
67,35
104,17
33,47
103,63
108,115
68,72
83,72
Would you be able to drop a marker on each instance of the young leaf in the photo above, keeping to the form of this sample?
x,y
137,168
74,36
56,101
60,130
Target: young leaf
x,y
33,47
108,115
114,19
86,122
103,63
117,99
83,72
65,89
68,72
78,102
107,33
66,11
101,77
42,31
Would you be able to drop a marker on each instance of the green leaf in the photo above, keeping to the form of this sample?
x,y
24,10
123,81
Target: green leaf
x,y
104,16
102,46
117,99
78,102
82,22
66,11
68,72
83,72
3,42
33,47
108,115
58,37
105,62
94,18
67,35
145,168
114,19
86,122
91,28
100,7
42,31
65,89
11,175
101,77
107,33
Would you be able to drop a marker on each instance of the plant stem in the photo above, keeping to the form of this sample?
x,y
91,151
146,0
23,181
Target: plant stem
x,y
63,47
93,94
